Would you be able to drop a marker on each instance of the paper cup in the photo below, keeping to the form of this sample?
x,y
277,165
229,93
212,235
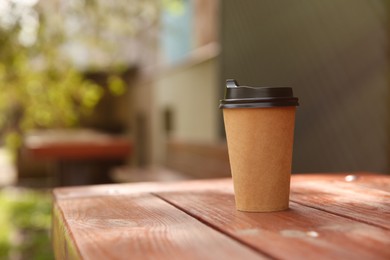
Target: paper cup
x,y
260,145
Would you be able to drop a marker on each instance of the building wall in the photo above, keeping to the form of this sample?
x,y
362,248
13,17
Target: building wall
x,y
335,56
177,95
190,96
178,103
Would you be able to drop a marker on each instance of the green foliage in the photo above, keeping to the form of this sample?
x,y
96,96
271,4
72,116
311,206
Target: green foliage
x,y
40,86
28,214
174,7
31,210
116,85
51,97
5,244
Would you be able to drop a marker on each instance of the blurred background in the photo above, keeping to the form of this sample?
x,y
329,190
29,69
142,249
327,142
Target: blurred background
x,y
95,91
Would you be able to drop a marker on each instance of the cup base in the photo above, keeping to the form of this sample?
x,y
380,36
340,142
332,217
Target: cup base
x,y
262,210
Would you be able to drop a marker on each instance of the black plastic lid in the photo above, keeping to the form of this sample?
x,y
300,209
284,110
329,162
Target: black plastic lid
x,y
252,97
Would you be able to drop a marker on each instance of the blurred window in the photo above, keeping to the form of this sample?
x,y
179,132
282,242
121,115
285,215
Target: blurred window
x,y
176,35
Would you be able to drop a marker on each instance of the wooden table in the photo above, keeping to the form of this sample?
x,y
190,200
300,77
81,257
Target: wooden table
x,y
78,156
334,216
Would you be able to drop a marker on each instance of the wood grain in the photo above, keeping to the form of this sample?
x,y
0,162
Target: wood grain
x,y
363,179
141,187
298,233
329,218
365,199
141,227
63,245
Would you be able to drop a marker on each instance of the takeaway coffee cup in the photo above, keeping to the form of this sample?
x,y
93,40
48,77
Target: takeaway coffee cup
x,y
259,125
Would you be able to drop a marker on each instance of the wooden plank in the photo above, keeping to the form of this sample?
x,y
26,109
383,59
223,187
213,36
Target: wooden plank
x,y
299,233
133,188
354,200
142,187
363,179
62,243
142,227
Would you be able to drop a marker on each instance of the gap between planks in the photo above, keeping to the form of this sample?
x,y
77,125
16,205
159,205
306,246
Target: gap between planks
x,y
339,214
214,227
197,206
358,202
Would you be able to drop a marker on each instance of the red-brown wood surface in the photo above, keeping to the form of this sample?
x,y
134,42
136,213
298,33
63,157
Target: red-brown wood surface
x,y
356,197
144,227
296,233
362,179
197,219
142,187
